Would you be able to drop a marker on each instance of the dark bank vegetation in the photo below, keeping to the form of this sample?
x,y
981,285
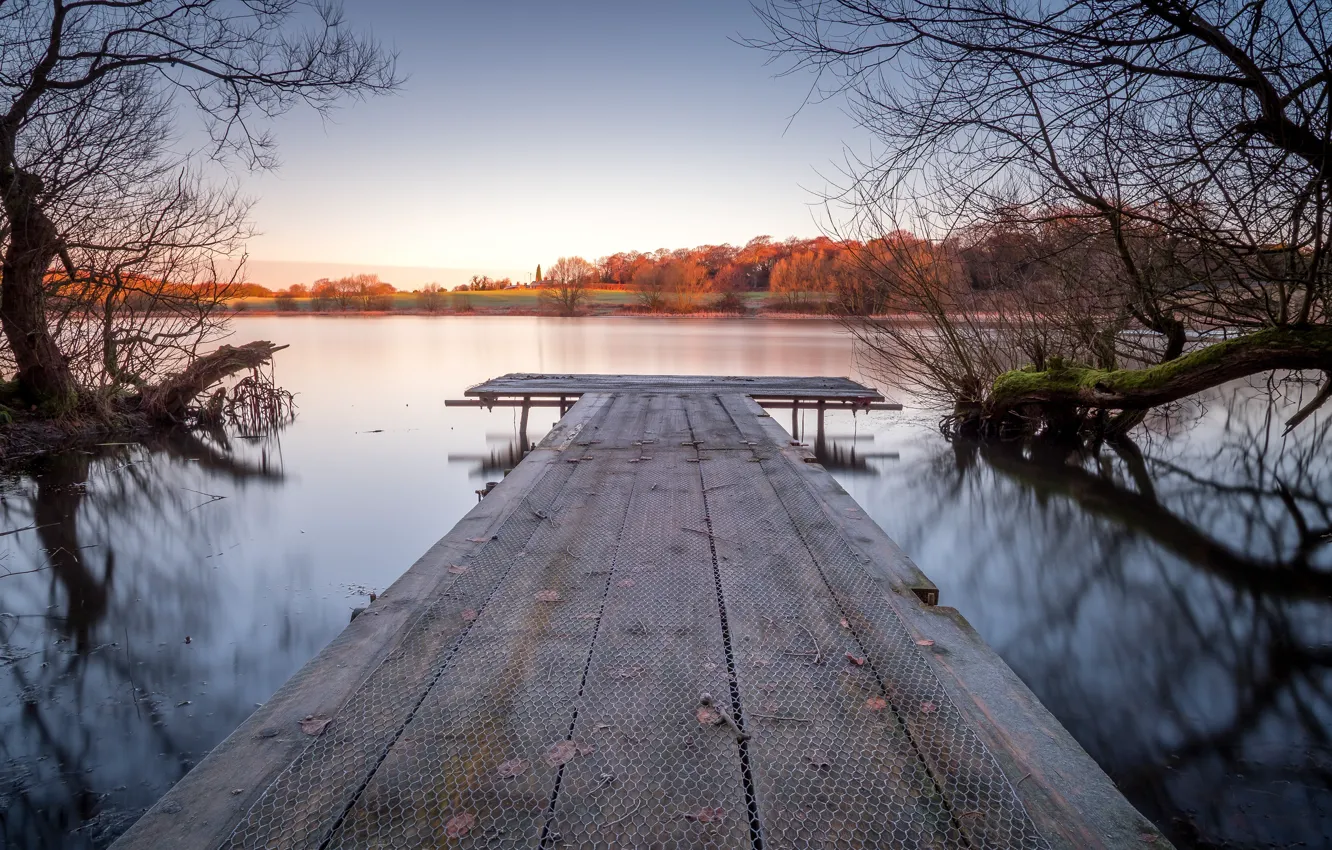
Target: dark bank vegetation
x,y
120,251
1148,184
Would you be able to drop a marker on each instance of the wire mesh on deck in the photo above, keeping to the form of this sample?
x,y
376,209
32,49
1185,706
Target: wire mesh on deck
x,y
983,802
308,799
551,694
660,777
833,764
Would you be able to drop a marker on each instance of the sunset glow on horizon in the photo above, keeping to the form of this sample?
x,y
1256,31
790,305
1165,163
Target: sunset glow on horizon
x,y
511,144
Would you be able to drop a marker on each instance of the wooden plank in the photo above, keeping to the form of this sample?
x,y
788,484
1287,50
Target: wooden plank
x,y
782,387
270,741
657,777
761,429
828,755
690,548
1066,794
202,808
475,750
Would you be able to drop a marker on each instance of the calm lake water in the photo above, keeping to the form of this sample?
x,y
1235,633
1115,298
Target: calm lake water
x,y
1172,606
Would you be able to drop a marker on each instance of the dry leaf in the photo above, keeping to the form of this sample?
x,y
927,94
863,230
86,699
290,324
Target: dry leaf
x,y
459,825
843,623
547,596
625,582
855,659
876,703
469,615
564,751
313,725
708,716
479,539
928,707
511,768
707,815
924,642
457,569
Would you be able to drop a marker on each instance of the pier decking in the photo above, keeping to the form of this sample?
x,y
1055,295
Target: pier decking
x,y
666,627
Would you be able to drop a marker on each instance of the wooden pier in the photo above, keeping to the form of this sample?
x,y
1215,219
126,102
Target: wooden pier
x,y
667,627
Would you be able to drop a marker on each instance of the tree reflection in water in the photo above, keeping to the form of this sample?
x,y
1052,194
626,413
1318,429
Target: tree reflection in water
x,y
103,703
1169,601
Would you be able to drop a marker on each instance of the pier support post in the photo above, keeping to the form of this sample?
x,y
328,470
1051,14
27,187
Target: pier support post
x,y
522,426
795,418
818,431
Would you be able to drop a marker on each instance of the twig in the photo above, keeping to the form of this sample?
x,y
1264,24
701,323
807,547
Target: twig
x,y
25,528
780,717
625,817
211,498
706,533
134,690
818,655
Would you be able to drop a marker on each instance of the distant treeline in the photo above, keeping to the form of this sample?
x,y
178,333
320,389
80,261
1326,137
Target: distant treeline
x,y
819,275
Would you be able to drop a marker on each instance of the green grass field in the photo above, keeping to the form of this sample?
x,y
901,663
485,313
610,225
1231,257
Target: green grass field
x,y
500,301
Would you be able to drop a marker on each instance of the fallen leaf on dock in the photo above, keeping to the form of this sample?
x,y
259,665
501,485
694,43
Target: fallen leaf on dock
x,y
547,596
708,716
457,569
928,707
924,642
313,725
843,623
855,659
479,539
469,615
876,703
625,582
459,825
565,751
707,815
511,768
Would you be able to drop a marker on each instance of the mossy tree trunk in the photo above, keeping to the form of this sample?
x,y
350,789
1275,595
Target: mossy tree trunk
x,y
1068,396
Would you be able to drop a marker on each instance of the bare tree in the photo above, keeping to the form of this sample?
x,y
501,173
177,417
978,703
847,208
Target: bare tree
x,y
1189,140
114,244
565,289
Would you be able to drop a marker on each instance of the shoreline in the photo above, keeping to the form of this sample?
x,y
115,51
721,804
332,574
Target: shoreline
x,y
518,313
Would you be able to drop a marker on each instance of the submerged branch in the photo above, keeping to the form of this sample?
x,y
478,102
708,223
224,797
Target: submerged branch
x,y
171,399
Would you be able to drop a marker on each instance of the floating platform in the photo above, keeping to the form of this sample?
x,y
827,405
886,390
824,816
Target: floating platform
x,y
668,627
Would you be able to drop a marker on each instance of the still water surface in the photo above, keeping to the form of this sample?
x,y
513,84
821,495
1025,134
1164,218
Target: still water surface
x,y
1170,605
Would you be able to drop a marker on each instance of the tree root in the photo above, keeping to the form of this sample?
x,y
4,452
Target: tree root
x,y
172,399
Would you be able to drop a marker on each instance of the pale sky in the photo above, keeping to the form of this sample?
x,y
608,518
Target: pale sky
x,y
531,129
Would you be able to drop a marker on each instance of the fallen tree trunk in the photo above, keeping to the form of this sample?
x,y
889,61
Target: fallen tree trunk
x,y
171,399
1063,391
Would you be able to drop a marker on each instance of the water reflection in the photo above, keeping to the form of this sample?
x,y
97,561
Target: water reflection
x,y
1171,603
109,637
